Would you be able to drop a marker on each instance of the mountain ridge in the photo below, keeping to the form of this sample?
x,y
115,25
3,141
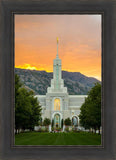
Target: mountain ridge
x,y
76,82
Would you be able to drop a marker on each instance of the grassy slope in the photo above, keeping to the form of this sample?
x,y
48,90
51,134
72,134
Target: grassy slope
x,y
36,138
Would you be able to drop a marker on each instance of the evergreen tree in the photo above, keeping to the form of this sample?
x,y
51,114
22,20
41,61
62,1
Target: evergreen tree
x,y
27,108
62,122
90,115
18,84
52,122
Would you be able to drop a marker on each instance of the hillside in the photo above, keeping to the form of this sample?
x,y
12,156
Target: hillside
x,y
38,81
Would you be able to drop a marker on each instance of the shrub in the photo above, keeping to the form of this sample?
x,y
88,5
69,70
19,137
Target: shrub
x,y
67,129
67,122
46,122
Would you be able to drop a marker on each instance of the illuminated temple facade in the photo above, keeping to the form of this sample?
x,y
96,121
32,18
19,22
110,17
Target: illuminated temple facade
x,y
57,104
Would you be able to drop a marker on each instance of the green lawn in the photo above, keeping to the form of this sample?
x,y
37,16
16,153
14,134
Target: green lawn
x,y
36,138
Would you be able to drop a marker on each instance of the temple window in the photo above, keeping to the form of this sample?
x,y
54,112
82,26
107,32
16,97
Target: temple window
x,y
57,104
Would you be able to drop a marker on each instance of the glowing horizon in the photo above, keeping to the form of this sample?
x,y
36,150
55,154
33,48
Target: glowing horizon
x,y
79,39
29,67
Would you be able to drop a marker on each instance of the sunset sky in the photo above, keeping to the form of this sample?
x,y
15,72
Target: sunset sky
x,y
79,42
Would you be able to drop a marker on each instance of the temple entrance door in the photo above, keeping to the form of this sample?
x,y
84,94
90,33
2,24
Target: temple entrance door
x,y
57,120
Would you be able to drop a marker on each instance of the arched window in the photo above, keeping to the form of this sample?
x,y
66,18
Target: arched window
x,y
57,104
74,121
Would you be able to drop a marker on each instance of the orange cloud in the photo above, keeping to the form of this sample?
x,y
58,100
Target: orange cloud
x,y
26,66
79,42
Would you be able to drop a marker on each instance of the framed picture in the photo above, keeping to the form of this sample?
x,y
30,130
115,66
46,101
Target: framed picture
x,y
49,121
54,76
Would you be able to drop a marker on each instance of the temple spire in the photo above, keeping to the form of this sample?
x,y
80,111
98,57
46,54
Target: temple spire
x,y
57,49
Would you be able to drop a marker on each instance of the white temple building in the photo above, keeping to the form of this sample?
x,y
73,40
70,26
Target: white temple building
x,y
57,104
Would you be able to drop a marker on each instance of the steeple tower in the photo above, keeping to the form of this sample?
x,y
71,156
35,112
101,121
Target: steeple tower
x,y
57,83
57,67
57,49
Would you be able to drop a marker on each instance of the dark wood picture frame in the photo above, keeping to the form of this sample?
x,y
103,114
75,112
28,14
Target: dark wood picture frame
x,y
107,9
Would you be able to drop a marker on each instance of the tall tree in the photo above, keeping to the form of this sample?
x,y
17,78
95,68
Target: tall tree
x,y
90,115
52,122
27,108
35,116
18,84
62,122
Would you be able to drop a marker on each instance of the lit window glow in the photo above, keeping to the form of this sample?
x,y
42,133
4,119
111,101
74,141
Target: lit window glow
x,y
57,104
